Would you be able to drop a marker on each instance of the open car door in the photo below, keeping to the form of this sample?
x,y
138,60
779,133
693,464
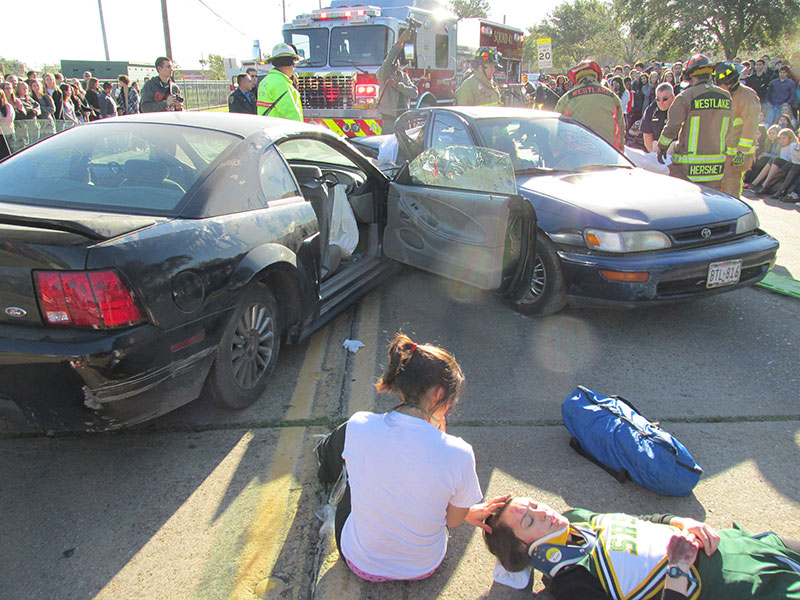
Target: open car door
x,y
455,211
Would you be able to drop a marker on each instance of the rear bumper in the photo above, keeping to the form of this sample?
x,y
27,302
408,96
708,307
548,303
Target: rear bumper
x,y
674,275
96,381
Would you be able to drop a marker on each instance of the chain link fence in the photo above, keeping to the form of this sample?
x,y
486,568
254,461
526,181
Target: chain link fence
x,y
201,95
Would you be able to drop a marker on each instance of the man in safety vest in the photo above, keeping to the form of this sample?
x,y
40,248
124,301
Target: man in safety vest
x,y
479,89
277,97
746,108
700,119
593,104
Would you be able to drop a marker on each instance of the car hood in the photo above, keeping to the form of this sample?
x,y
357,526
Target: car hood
x,y
635,198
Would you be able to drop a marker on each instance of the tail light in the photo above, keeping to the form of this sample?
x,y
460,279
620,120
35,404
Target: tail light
x,y
96,299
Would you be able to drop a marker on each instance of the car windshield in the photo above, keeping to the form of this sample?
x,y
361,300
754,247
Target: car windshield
x,y
542,145
362,46
311,44
134,168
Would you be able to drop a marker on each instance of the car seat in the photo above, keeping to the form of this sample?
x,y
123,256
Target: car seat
x,y
148,173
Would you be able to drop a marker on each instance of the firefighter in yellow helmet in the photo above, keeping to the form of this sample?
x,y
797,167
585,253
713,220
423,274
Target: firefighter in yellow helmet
x,y
277,97
700,119
746,106
479,89
593,104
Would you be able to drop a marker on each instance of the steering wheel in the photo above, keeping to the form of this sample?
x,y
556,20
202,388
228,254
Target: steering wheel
x,y
114,167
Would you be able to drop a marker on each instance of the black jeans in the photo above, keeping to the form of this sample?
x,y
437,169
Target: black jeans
x,y
331,463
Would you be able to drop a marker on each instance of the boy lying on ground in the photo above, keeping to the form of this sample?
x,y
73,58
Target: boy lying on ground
x,y
595,556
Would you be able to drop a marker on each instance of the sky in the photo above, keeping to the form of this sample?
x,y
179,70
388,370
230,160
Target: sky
x,y
135,34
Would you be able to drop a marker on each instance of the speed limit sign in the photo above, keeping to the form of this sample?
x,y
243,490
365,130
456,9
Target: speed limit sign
x,y
544,48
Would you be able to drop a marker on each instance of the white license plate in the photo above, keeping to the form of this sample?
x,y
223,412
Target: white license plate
x,y
723,273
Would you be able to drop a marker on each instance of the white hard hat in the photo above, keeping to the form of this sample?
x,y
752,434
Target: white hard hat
x,y
282,49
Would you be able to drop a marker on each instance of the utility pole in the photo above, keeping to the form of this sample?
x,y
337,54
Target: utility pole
x,y
165,18
103,27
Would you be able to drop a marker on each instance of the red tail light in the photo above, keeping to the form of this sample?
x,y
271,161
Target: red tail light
x,y
96,299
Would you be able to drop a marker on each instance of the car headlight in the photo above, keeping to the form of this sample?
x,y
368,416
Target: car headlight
x,y
625,241
746,223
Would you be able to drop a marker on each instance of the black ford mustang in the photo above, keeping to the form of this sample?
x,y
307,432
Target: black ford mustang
x,y
144,259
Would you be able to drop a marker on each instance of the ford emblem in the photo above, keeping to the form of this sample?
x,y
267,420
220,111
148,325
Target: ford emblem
x,y
15,311
705,232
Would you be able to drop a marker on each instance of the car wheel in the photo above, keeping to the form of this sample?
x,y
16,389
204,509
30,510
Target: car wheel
x,y
546,294
247,352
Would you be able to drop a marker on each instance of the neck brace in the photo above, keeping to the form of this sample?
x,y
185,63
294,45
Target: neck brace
x,y
551,553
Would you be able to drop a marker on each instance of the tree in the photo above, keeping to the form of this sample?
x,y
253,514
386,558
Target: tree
x,y
216,67
465,9
725,25
12,65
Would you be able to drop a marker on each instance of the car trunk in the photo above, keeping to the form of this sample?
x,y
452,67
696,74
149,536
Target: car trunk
x,y
40,238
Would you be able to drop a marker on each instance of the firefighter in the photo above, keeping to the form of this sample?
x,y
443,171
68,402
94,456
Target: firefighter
x,y
746,108
593,104
277,97
700,119
396,86
479,88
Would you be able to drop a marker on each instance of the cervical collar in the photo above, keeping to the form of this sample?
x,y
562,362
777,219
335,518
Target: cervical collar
x,y
551,553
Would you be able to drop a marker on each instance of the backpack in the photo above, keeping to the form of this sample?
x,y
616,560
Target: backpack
x,y
610,432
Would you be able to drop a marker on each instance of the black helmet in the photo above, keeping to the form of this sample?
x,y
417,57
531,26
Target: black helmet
x,y
726,72
487,55
699,64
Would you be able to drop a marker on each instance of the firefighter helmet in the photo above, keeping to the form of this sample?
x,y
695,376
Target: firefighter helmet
x,y
699,64
487,55
584,68
727,73
283,49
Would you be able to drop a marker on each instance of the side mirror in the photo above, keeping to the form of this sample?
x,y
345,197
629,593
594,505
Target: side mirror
x,y
408,50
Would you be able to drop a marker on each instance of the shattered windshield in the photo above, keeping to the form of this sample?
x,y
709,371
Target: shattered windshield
x,y
465,167
539,145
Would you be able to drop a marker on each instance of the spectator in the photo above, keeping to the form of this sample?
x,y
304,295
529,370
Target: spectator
x,y
26,125
652,82
31,76
6,125
668,76
87,75
777,168
82,109
128,98
59,80
770,148
655,116
240,100
93,98
396,87
786,120
618,87
69,114
108,108
780,90
277,96
12,79
160,93
54,92
561,85
47,125
759,82
641,89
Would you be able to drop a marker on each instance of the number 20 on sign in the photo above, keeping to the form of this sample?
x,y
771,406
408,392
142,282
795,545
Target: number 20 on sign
x,y
544,48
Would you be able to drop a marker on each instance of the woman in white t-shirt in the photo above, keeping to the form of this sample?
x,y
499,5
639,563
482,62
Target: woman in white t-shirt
x,y
777,168
407,479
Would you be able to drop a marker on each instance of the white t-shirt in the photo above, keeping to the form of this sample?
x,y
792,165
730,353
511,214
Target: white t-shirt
x,y
403,472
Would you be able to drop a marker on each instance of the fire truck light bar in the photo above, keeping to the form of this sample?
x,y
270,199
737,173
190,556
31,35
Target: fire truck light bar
x,y
346,13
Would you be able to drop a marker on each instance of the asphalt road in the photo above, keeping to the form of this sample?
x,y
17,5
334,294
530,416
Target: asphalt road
x,y
208,504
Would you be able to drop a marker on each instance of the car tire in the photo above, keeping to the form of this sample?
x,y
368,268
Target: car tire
x,y
247,351
545,295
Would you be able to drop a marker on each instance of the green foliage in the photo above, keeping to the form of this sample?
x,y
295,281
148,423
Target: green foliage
x,y
54,68
465,9
216,67
12,65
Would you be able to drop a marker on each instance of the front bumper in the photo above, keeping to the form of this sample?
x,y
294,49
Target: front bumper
x,y
101,380
674,274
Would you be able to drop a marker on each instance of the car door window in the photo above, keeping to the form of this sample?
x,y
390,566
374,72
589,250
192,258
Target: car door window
x,y
275,177
449,130
464,167
313,151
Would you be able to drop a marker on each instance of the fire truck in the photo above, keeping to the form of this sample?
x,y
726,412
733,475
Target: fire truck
x,y
341,48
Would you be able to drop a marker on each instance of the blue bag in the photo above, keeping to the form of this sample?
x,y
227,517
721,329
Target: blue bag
x,y
611,433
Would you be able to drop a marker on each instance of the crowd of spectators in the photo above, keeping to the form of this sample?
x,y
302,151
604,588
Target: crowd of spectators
x,y
34,107
643,89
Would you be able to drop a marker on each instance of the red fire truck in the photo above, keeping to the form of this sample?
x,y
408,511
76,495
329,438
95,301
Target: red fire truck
x,y
341,48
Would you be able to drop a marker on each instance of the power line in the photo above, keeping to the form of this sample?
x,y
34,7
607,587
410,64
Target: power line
x,y
224,20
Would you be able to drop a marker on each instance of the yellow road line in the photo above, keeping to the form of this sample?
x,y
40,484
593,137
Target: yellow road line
x,y
362,392
275,512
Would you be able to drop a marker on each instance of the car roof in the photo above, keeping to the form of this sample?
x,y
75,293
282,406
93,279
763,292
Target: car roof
x,y
492,112
236,123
